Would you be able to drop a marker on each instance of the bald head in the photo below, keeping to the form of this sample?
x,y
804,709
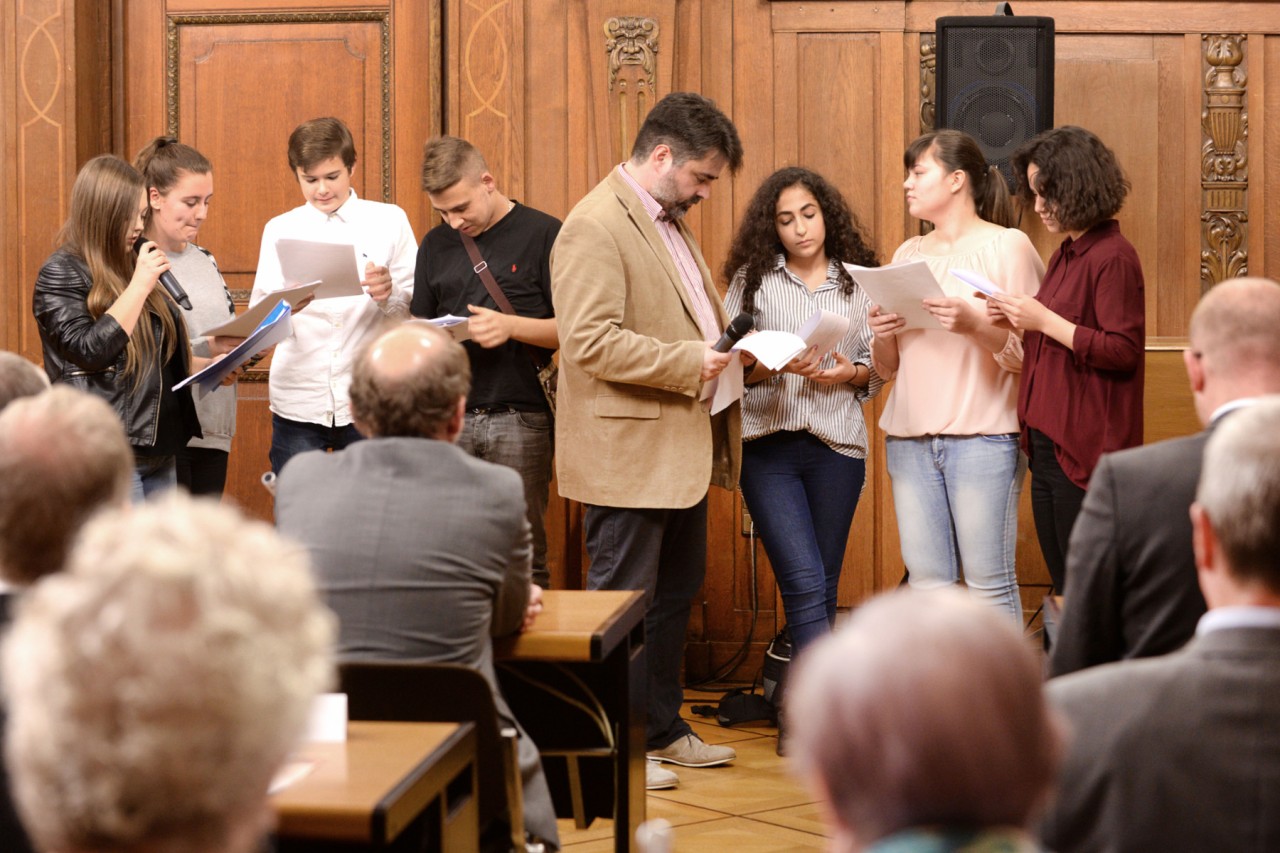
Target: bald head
x,y
1235,343
411,381
63,456
19,378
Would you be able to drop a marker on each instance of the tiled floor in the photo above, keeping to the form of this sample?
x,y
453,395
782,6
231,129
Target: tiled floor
x,y
753,805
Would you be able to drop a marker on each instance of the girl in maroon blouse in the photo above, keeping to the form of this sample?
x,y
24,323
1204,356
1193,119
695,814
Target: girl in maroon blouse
x,y
1081,390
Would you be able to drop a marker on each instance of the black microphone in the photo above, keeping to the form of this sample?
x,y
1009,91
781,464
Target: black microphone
x,y
738,327
166,278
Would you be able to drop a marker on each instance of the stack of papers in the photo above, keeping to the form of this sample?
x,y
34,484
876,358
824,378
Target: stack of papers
x,y
274,328
900,289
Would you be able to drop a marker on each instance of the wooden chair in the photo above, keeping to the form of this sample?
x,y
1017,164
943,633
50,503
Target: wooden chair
x,y
443,692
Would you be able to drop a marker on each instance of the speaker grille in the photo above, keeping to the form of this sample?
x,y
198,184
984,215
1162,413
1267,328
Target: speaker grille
x,y
995,81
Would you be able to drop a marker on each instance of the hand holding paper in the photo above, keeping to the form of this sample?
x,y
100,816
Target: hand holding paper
x,y
271,331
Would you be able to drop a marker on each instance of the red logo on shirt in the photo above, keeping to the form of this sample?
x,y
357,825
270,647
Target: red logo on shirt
x,y
513,267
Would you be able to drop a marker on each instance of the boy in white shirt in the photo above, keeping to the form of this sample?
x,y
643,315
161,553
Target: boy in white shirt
x,y
311,369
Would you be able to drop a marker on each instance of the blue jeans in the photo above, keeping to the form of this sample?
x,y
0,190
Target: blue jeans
x,y
151,476
521,441
289,438
956,497
802,495
664,553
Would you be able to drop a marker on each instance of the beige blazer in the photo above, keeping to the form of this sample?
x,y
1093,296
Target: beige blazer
x,y
630,431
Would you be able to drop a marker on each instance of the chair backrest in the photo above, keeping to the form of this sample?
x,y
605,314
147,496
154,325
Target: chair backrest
x,y
434,693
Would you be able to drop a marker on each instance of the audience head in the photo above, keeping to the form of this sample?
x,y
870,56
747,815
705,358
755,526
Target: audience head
x,y
157,684
1071,178
1235,343
459,185
682,147
179,187
19,378
1236,516
411,382
925,709
767,228
946,166
63,457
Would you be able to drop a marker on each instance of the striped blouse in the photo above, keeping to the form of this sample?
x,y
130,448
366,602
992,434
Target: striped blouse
x,y
785,401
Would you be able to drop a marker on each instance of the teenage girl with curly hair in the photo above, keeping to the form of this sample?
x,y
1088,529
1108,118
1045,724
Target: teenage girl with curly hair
x,y
804,436
1085,330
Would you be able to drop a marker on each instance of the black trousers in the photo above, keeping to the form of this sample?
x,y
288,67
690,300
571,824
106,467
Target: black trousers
x,y
1055,503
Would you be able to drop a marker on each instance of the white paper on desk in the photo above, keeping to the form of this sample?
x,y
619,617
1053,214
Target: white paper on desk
x,y
327,719
458,327
332,264
243,326
271,331
899,289
294,770
978,282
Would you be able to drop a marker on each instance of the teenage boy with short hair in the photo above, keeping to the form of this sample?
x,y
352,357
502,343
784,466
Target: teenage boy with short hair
x,y
311,369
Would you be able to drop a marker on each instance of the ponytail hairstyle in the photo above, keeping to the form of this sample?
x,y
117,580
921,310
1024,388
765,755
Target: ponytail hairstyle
x,y
958,152
756,245
164,160
104,204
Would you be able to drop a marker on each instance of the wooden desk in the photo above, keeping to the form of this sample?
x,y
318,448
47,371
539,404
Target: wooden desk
x,y
596,639
364,793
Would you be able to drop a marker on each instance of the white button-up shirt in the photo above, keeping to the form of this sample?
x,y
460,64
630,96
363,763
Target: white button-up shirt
x,y
311,369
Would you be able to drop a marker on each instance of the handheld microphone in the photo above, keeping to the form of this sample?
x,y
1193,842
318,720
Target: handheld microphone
x,y
737,327
167,280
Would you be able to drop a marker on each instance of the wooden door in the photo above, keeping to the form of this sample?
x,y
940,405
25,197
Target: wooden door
x,y
234,84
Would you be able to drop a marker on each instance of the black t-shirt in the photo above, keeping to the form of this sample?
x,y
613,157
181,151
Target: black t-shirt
x,y
518,250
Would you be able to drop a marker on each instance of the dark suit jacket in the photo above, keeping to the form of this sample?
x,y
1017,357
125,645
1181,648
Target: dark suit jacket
x,y
423,553
1175,753
1131,576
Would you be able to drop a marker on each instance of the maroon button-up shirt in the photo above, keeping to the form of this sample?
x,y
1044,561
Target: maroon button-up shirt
x,y
1088,401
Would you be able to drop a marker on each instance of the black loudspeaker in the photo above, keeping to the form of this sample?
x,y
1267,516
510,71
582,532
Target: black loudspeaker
x,y
995,81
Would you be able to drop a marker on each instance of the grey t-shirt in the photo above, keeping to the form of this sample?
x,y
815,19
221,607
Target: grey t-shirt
x,y
211,305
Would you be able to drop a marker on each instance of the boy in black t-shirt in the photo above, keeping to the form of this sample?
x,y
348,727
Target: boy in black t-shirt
x,y
508,420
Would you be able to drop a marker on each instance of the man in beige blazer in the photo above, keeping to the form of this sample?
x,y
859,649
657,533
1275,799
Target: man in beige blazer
x,y
638,314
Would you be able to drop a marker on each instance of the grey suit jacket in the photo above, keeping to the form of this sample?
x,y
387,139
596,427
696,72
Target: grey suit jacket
x,y
1180,752
1131,574
423,553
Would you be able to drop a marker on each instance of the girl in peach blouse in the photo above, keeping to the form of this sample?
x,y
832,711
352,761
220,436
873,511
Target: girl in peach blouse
x,y
950,421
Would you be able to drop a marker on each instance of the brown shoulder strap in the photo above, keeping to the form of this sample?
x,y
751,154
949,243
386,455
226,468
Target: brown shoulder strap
x,y
481,268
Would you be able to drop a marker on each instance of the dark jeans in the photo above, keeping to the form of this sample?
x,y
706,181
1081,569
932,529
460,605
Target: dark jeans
x,y
202,470
289,438
521,441
664,553
1055,503
802,495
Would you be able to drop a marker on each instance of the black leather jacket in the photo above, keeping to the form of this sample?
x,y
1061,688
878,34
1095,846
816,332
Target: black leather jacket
x,y
90,354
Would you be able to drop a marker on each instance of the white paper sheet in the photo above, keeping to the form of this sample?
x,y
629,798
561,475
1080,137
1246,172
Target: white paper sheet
x,y
334,265
243,326
458,327
274,329
978,282
899,289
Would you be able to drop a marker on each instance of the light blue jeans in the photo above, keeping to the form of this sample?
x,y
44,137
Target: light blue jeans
x,y
151,476
956,497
